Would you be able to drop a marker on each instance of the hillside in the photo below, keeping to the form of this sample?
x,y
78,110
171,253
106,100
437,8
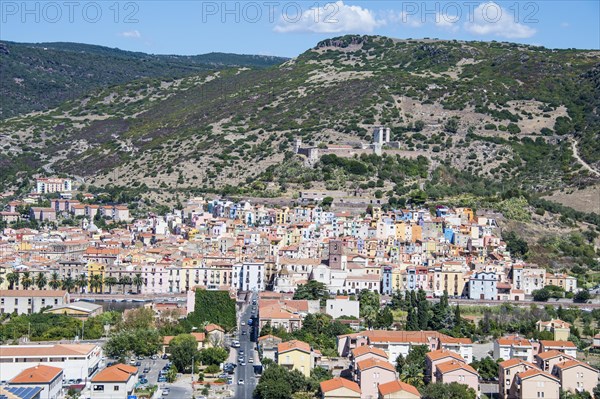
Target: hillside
x,y
35,77
469,117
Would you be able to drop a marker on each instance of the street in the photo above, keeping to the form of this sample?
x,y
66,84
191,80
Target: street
x,y
248,344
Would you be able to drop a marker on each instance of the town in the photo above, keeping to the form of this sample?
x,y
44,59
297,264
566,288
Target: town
x,y
225,298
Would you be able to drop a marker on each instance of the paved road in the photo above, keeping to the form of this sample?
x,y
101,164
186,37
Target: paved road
x,y
247,343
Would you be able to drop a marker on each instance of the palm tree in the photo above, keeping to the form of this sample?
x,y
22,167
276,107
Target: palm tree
x,y
412,374
68,284
41,281
54,282
96,282
138,281
12,278
125,280
81,281
111,282
26,280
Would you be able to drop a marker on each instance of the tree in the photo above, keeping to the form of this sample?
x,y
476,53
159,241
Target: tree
x,y
138,281
451,125
597,391
12,278
412,374
139,319
384,318
26,280
541,295
212,369
184,349
41,281
327,201
96,282
277,382
213,356
582,296
54,282
486,367
111,282
213,307
139,342
453,390
81,282
125,280
419,125
422,310
312,290
67,283
517,246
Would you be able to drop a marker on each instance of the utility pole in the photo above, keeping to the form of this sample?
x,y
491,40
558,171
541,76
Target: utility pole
x,y
82,329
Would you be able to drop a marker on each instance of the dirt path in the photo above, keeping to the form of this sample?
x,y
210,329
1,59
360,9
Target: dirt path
x,y
581,161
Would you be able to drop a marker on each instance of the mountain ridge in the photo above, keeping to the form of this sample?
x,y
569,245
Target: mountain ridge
x,y
498,116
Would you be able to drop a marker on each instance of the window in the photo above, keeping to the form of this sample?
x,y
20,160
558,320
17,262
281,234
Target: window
x,y
16,301
98,387
116,387
540,394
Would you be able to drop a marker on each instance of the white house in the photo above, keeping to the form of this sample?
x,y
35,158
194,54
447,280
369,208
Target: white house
x,y
114,382
30,301
342,306
78,361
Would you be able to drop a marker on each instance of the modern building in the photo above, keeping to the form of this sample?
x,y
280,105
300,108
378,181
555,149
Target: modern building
x,y
513,347
47,185
370,373
78,361
80,309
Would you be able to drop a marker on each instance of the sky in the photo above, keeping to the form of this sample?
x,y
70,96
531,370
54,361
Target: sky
x,y
288,28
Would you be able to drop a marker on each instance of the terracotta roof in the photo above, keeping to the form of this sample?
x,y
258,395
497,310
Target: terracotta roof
x,y
46,350
397,386
363,350
116,373
533,372
337,383
35,375
442,353
270,336
550,354
567,364
445,339
374,362
557,344
453,365
293,345
514,341
213,327
513,362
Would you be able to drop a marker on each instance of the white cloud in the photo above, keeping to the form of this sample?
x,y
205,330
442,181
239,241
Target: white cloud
x,y
447,22
404,18
331,18
565,25
491,19
131,34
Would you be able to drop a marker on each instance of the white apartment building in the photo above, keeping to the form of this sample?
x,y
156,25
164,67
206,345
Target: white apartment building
x,y
52,185
30,301
76,360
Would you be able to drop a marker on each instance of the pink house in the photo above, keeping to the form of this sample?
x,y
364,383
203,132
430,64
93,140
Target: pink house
x,y
370,373
456,371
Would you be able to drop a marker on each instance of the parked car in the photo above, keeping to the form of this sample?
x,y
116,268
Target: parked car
x,y
162,379
154,357
143,381
165,392
138,363
165,356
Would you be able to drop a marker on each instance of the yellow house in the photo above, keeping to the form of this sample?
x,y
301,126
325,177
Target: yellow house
x,y
340,388
417,233
282,215
560,329
295,355
94,268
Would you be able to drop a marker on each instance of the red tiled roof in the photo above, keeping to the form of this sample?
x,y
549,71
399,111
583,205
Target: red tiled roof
x,y
38,374
116,373
397,386
337,383
374,362
293,345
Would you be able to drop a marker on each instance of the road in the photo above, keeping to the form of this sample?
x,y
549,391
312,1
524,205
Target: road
x,y
581,161
248,344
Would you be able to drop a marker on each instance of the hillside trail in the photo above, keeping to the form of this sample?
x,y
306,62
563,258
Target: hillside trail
x,y
581,161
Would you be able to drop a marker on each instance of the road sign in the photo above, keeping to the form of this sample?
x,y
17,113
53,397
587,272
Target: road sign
x,y
131,396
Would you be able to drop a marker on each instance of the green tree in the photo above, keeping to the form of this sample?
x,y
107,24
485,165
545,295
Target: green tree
x,y
541,295
517,246
213,307
453,390
486,367
124,281
67,283
582,296
138,281
54,282
12,278
111,282
213,356
277,382
41,281
26,280
81,282
312,290
451,125
139,319
96,282
384,318
184,349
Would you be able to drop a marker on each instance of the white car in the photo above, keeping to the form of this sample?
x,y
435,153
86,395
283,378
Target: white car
x,y
240,382
165,392
243,323
250,360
